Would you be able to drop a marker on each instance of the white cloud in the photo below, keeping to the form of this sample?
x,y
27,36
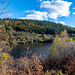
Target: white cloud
x,y
36,15
53,15
9,14
73,8
52,9
62,22
58,0
40,0
29,11
73,13
57,8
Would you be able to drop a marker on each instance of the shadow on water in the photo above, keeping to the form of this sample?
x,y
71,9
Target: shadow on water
x,y
30,49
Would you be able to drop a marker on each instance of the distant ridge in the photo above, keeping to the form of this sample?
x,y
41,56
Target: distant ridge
x,y
36,26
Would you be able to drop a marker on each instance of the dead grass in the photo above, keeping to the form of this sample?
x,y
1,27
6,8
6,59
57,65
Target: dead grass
x,y
35,66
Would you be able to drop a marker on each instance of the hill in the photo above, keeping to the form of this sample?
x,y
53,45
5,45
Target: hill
x,y
36,26
18,28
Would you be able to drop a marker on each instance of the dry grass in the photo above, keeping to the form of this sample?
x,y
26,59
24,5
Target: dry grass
x,y
34,66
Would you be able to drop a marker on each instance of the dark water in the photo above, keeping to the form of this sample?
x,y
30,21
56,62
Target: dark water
x,y
30,49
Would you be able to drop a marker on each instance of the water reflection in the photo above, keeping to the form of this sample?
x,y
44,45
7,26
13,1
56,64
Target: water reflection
x,y
30,49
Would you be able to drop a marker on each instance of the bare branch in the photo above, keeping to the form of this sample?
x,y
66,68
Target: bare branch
x,y
3,6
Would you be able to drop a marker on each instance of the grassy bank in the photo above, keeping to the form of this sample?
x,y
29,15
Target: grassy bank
x,y
24,37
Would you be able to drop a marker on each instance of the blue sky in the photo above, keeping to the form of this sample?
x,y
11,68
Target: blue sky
x,y
59,11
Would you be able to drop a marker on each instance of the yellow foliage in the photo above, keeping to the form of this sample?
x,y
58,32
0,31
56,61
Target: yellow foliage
x,y
5,56
60,43
56,44
71,40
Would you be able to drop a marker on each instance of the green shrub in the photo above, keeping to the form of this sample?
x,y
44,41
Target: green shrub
x,y
62,46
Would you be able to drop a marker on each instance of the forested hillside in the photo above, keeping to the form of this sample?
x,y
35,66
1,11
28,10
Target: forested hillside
x,y
36,26
31,30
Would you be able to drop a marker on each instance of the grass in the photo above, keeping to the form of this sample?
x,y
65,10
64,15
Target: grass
x,y
34,66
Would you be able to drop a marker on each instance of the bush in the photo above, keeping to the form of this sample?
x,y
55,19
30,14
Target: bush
x,y
63,46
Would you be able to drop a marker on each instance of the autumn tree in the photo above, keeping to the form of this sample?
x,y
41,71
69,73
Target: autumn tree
x,y
63,46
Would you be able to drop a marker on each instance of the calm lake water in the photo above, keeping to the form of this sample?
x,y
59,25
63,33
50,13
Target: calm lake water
x,y
30,49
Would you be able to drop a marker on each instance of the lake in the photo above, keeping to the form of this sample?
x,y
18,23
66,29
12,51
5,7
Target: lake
x,y
28,50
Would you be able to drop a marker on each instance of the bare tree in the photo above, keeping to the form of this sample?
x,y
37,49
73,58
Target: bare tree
x,y
4,4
